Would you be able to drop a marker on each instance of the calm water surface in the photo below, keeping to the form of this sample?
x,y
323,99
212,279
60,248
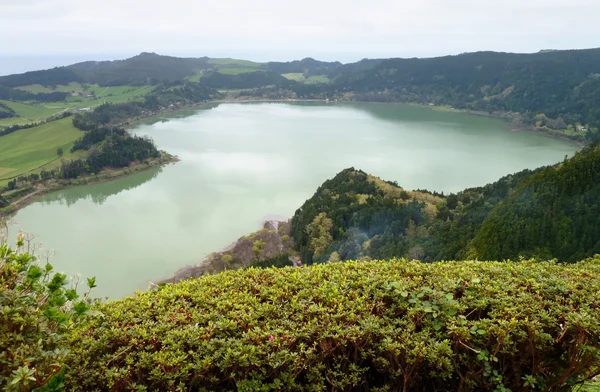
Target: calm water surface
x,y
243,162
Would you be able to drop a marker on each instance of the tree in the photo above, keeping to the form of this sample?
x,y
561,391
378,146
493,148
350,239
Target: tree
x,y
227,261
12,184
257,247
59,152
319,232
46,175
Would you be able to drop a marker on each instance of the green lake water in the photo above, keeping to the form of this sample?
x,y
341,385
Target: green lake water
x,y
242,163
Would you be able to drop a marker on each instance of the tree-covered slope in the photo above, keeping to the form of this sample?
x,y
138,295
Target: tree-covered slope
x,y
247,80
49,77
307,66
549,213
552,213
145,68
555,91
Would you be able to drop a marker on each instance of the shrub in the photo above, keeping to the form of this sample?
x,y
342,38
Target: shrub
x,y
36,310
378,326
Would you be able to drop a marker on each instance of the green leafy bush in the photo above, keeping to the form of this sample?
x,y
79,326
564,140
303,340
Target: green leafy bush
x,y
36,310
377,326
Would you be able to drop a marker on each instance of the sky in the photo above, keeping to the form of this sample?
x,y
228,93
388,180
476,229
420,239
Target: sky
x,y
44,33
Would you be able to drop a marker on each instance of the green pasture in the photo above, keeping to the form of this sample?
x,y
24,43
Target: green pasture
x,y
235,71
299,77
234,63
27,150
29,112
38,88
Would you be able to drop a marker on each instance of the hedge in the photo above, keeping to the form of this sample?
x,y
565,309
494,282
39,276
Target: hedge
x,y
362,326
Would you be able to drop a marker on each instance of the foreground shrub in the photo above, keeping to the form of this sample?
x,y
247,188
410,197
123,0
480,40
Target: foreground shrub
x,y
36,310
377,326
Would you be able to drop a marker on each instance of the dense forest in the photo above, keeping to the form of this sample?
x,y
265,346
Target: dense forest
x,y
548,213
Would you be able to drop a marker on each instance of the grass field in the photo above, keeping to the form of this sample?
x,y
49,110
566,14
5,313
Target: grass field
x,y
32,112
24,151
196,77
38,88
298,77
235,71
234,63
123,93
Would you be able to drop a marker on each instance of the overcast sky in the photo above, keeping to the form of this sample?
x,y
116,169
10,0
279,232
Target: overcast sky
x,y
345,30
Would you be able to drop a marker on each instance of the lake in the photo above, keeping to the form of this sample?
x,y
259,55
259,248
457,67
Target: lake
x,y
241,163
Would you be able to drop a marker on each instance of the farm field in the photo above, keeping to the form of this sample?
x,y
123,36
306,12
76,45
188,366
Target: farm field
x,y
38,88
234,63
26,150
35,111
196,77
299,77
32,112
123,93
235,71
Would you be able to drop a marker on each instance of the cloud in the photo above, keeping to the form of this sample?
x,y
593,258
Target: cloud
x,y
282,29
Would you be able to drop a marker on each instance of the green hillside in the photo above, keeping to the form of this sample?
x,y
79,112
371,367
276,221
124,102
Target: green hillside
x,y
30,112
557,92
27,150
548,213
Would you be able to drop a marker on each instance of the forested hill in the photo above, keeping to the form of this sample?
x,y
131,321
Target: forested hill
x,y
551,212
553,91
563,84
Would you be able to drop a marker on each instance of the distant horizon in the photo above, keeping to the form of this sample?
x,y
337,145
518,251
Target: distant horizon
x,y
21,63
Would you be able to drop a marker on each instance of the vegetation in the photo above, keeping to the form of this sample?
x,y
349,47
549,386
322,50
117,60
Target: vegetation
x,y
242,80
548,213
50,77
307,67
27,150
385,326
38,313
162,97
551,214
72,87
32,112
359,325
235,71
552,91
6,111
269,247
11,94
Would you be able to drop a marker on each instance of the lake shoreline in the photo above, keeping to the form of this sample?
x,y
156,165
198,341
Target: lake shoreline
x,y
105,176
130,123
508,116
